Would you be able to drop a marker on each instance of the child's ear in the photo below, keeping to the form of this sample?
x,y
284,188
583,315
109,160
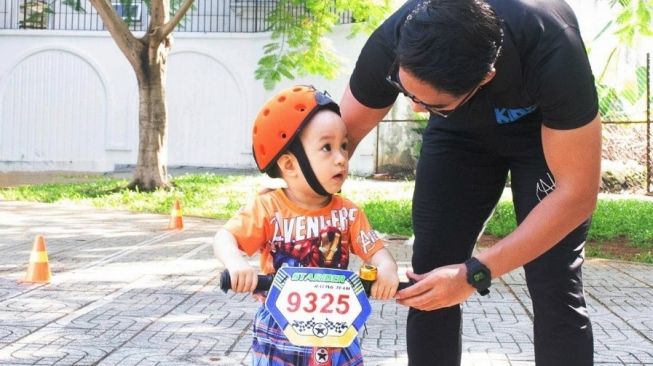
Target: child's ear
x,y
288,165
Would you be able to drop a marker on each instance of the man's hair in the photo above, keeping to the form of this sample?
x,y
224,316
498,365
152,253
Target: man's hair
x,y
450,44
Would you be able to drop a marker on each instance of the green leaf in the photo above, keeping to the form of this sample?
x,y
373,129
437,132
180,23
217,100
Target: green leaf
x,y
268,61
641,79
75,4
285,72
271,47
299,33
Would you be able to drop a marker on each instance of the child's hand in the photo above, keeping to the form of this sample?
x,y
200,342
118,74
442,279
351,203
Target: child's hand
x,y
243,277
259,297
387,280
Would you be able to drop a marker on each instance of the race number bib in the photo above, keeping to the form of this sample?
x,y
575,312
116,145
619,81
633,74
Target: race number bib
x,y
318,307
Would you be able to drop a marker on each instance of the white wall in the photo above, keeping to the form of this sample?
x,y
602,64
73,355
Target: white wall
x,y
69,101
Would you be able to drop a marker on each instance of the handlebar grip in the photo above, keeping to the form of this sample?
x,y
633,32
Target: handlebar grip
x,y
264,282
403,285
367,285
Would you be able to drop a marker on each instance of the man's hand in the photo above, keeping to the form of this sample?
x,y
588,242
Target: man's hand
x,y
442,287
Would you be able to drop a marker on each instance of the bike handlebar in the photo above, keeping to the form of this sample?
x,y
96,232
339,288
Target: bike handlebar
x,y
265,282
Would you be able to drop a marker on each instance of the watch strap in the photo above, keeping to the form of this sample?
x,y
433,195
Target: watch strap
x,y
478,275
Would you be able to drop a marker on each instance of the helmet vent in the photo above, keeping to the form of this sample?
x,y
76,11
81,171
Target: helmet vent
x,y
255,129
297,89
266,112
283,135
261,148
282,98
300,107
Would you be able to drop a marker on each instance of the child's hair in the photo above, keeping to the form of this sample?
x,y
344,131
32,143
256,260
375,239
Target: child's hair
x,y
279,123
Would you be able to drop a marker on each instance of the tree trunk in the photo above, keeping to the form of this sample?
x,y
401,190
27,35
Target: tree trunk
x,y
151,169
148,56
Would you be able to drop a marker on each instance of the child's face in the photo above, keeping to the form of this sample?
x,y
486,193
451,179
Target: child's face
x,y
325,141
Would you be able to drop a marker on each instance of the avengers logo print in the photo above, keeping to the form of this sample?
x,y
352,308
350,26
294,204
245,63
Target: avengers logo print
x,y
312,241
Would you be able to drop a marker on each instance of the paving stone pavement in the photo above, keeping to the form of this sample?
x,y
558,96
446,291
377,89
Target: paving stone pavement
x,y
127,292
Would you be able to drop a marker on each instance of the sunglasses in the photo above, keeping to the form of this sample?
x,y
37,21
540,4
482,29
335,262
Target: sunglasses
x,y
438,111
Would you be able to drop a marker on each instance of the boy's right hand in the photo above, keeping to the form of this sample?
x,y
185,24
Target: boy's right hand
x,y
243,277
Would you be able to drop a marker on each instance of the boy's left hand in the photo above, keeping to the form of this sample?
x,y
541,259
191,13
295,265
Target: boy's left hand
x,y
387,280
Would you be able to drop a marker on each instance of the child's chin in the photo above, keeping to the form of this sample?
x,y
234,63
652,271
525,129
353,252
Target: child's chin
x,y
336,189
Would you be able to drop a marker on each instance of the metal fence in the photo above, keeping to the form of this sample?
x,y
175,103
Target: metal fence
x,y
238,16
625,107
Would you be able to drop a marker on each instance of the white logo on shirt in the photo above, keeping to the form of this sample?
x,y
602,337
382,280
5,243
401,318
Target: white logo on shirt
x,y
543,188
367,239
308,227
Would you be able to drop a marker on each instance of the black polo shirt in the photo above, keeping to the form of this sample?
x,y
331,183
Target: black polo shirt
x,y
543,74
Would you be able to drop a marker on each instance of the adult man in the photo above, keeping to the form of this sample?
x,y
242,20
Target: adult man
x,y
509,89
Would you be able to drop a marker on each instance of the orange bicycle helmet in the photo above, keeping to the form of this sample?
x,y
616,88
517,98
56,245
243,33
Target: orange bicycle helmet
x,y
281,120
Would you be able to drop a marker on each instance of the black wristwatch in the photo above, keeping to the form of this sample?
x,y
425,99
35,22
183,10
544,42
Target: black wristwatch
x,y
478,275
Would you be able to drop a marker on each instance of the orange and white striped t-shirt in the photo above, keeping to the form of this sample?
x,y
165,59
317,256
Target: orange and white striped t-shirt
x,y
287,234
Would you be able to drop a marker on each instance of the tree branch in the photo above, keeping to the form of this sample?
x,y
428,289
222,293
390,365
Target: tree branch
x,y
170,25
119,31
158,14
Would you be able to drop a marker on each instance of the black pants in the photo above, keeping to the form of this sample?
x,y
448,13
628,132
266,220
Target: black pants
x,y
460,177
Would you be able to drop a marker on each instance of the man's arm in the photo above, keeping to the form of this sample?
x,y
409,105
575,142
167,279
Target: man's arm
x,y
360,120
574,158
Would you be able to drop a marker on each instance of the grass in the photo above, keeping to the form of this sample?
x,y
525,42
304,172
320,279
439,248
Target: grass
x,y
621,228
387,205
393,217
206,195
627,219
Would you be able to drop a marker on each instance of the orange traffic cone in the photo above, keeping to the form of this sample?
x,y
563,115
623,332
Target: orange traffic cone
x,y
39,268
176,220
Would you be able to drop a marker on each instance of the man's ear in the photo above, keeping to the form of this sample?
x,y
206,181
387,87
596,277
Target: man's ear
x,y
288,165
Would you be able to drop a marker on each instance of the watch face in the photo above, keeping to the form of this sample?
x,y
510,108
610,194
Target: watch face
x,y
479,276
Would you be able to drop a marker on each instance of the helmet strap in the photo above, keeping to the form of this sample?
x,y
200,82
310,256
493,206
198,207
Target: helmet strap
x,y
298,150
